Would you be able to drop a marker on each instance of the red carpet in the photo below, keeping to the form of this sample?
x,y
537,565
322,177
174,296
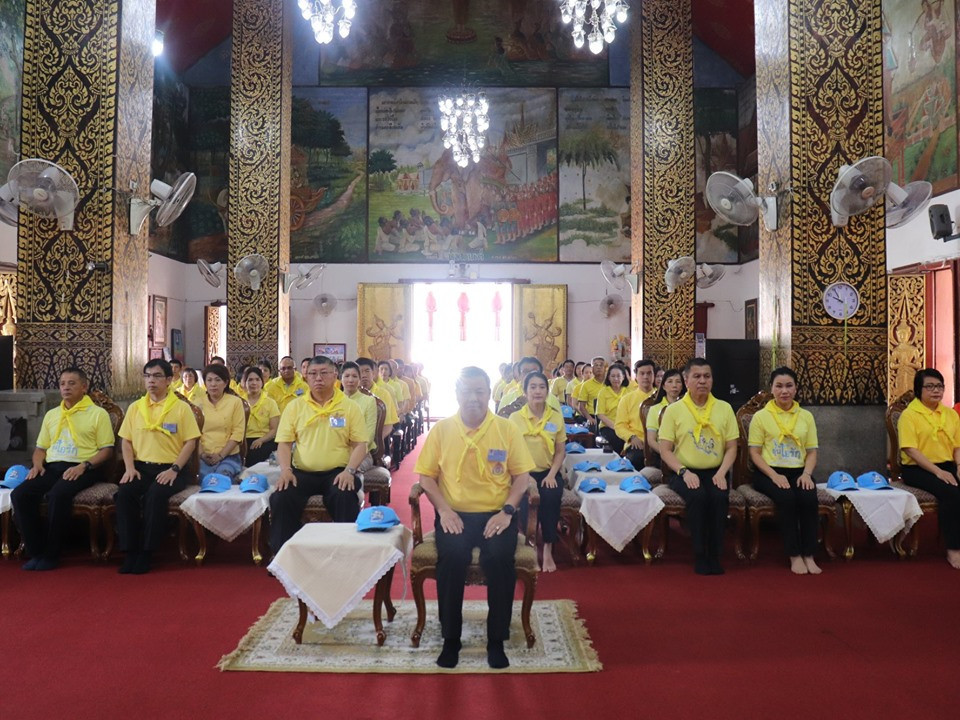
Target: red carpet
x,y
875,637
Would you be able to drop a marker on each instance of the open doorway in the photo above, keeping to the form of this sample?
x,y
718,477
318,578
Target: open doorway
x,y
458,324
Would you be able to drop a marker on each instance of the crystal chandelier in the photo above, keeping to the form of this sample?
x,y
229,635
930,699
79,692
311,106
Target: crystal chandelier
x,y
597,16
464,121
321,14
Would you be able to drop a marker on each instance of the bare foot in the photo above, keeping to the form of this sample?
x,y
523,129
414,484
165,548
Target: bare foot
x,y
812,566
548,564
797,566
953,557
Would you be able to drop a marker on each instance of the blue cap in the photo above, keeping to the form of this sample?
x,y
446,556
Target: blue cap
x,y
14,476
576,429
255,483
587,466
377,517
620,464
635,484
215,483
567,412
592,484
873,481
575,448
840,480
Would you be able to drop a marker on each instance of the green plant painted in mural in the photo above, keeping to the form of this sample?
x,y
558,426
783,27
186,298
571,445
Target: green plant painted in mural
x,y
591,149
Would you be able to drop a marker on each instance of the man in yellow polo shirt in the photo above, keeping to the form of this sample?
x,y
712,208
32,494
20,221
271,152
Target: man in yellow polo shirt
x,y
475,468
177,383
350,382
159,435
628,425
331,440
513,393
75,441
558,387
588,391
288,385
698,446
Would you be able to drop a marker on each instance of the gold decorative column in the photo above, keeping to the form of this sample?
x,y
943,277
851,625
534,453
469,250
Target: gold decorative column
x,y
907,332
87,105
258,323
828,55
662,176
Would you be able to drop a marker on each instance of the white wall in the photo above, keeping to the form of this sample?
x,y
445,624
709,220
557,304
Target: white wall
x,y
739,283
913,243
8,244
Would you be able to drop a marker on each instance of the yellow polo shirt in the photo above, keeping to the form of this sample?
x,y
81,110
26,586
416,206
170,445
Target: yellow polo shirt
x,y
497,391
282,393
588,392
628,420
919,428
237,389
196,392
221,422
424,385
86,432
608,401
653,417
571,389
323,434
265,409
176,384
163,444
558,388
392,417
401,391
474,467
368,406
536,431
785,452
678,426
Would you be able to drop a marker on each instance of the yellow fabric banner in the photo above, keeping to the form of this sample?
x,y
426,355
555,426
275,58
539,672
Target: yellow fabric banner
x,y
384,328
540,323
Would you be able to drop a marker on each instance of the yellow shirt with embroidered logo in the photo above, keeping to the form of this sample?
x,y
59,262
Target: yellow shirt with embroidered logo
x,y
323,433
392,417
473,489
678,425
918,429
221,422
553,426
92,427
627,421
368,406
261,413
786,453
156,446
283,394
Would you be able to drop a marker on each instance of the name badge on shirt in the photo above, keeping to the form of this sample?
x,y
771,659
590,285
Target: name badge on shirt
x,y
170,427
338,422
550,427
497,456
298,391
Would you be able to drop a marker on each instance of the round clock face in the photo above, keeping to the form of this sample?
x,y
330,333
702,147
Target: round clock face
x,y
841,300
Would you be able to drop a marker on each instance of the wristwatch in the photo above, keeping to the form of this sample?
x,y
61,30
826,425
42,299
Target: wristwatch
x,y
681,471
351,471
509,509
87,465
176,468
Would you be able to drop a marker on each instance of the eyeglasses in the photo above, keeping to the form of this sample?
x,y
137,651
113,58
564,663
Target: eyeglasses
x,y
154,376
933,386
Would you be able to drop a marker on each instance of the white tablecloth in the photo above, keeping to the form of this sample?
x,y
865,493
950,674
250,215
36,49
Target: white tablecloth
x,y
617,516
610,477
5,499
885,512
331,566
272,473
227,514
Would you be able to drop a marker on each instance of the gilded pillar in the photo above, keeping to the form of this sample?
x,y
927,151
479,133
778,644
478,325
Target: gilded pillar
x,y
662,176
258,323
820,106
87,106
907,332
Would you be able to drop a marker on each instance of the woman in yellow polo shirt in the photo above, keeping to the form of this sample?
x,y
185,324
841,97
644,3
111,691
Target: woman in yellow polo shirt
x,y
671,390
608,399
223,425
783,448
929,434
264,418
191,389
546,438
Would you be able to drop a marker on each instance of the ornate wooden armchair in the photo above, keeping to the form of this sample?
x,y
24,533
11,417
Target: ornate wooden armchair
x,y
759,506
928,503
508,410
423,565
377,480
649,458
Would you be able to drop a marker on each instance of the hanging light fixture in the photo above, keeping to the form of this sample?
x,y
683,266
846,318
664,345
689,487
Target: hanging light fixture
x,y
594,21
322,13
464,120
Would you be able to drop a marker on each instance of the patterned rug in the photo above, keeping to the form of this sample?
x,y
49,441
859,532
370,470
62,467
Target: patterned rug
x,y
562,646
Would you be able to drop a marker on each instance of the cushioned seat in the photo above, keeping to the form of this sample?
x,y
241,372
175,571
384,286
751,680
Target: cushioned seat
x,y
376,484
424,556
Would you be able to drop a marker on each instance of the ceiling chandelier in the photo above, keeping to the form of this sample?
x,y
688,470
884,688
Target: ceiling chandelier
x,y
464,120
321,14
597,16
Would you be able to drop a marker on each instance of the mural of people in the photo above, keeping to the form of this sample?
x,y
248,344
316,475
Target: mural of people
x,y
11,73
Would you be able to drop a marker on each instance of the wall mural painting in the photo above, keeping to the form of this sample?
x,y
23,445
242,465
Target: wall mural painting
x,y
749,235
170,156
328,185
11,76
594,158
431,42
716,130
423,207
919,90
204,222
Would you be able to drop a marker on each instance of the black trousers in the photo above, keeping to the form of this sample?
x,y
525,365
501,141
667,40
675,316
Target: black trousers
x,y
548,514
261,453
496,559
796,509
635,456
27,497
948,498
616,444
286,506
142,506
706,512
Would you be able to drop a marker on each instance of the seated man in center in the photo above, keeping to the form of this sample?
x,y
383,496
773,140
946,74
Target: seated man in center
x,y
475,467
330,435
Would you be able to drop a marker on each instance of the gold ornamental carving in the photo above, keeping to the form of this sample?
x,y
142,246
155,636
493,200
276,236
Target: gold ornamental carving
x,y
540,323
906,332
384,327
8,303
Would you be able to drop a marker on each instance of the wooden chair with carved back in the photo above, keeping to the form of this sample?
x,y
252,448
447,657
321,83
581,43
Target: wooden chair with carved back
x,y
377,479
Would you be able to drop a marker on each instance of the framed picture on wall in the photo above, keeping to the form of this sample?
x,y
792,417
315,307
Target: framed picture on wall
x,y
156,353
335,351
176,343
750,319
158,315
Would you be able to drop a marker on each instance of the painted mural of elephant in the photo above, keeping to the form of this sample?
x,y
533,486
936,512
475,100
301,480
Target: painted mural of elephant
x,y
472,188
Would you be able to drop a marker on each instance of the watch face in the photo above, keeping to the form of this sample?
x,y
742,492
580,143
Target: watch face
x,y
841,300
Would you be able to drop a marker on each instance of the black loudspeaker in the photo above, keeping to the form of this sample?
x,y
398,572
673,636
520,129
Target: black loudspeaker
x,y
941,224
736,369
6,362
